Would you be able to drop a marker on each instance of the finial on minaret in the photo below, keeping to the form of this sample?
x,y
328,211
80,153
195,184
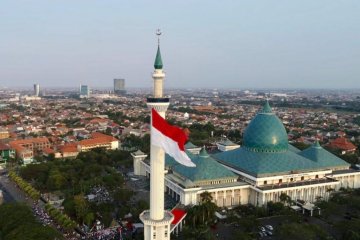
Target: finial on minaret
x,y
158,61
158,33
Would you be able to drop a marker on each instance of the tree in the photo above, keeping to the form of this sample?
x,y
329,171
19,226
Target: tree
x,y
56,180
81,206
206,197
89,218
241,235
17,222
275,208
249,223
285,199
108,131
297,231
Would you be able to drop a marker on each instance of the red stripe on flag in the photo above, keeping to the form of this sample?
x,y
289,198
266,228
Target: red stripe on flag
x,y
173,132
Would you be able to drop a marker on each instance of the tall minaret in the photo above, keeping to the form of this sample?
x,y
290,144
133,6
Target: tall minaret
x,y
157,221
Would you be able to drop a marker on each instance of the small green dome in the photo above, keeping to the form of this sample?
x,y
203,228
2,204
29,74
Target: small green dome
x,y
158,61
203,153
266,133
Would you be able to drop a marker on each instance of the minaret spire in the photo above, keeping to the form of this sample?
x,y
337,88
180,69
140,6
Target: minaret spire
x,y
158,61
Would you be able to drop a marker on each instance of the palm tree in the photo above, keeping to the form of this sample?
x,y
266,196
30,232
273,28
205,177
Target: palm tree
x,y
206,197
284,198
209,208
329,192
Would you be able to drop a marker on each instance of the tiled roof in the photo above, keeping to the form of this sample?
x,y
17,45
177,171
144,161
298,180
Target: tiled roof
x,y
342,144
206,168
267,164
4,146
48,150
94,141
190,145
227,142
294,149
322,157
101,135
30,141
72,147
265,133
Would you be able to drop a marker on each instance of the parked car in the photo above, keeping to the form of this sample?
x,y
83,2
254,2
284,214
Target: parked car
x,y
262,229
269,233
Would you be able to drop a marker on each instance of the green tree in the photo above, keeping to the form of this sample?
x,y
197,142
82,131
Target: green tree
x,y
285,199
17,222
56,180
89,218
297,231
81,206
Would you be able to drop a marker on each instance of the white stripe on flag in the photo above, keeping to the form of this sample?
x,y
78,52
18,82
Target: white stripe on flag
x,y
170,147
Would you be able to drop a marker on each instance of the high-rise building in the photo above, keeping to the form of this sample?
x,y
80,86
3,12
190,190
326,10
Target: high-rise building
x,y
84,91
36,89
119,86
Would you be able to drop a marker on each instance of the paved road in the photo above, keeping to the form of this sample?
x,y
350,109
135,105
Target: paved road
x,y
11,192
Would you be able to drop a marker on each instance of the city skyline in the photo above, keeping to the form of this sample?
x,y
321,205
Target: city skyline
x,y
275,44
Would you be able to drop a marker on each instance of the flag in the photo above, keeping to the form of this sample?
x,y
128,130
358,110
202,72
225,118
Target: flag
x,y
170,138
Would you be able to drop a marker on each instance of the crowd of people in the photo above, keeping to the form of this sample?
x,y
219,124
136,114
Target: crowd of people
x,y
100,234
42,215
45,219
99,194
106,234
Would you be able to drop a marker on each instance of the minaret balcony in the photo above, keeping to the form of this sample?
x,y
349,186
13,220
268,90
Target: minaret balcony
x,y
158,100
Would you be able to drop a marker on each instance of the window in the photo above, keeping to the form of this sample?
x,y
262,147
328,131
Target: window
x,y
302,178
280,180
265,182
317,176
291,179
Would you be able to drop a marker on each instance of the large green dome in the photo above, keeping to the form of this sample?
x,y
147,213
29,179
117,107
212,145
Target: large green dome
x,y
266,133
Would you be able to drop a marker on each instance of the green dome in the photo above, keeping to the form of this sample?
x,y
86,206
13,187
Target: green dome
x,y
266,133
158,61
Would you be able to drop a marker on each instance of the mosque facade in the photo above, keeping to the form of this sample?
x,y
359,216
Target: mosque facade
x,y
259,171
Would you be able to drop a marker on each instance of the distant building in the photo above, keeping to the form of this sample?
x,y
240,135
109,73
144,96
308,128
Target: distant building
x,y
226,145
6,152
98,140
343,145
4,133
84,91
36,89
119,86
29,98
27,148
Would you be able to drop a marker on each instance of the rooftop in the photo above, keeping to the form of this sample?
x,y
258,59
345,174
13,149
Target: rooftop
x,y
206,168
266,133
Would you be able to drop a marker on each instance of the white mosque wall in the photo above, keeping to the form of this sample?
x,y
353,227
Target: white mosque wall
x,y
347,180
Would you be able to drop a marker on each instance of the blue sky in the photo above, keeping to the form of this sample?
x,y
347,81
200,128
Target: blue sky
x,y
213,44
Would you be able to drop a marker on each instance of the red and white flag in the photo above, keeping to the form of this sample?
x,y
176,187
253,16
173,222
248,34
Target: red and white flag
x,y
170,138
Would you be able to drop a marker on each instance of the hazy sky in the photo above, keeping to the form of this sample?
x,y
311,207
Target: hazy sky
x,y
216,44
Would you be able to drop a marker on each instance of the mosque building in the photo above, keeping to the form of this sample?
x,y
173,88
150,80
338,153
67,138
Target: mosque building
x,y
259,171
